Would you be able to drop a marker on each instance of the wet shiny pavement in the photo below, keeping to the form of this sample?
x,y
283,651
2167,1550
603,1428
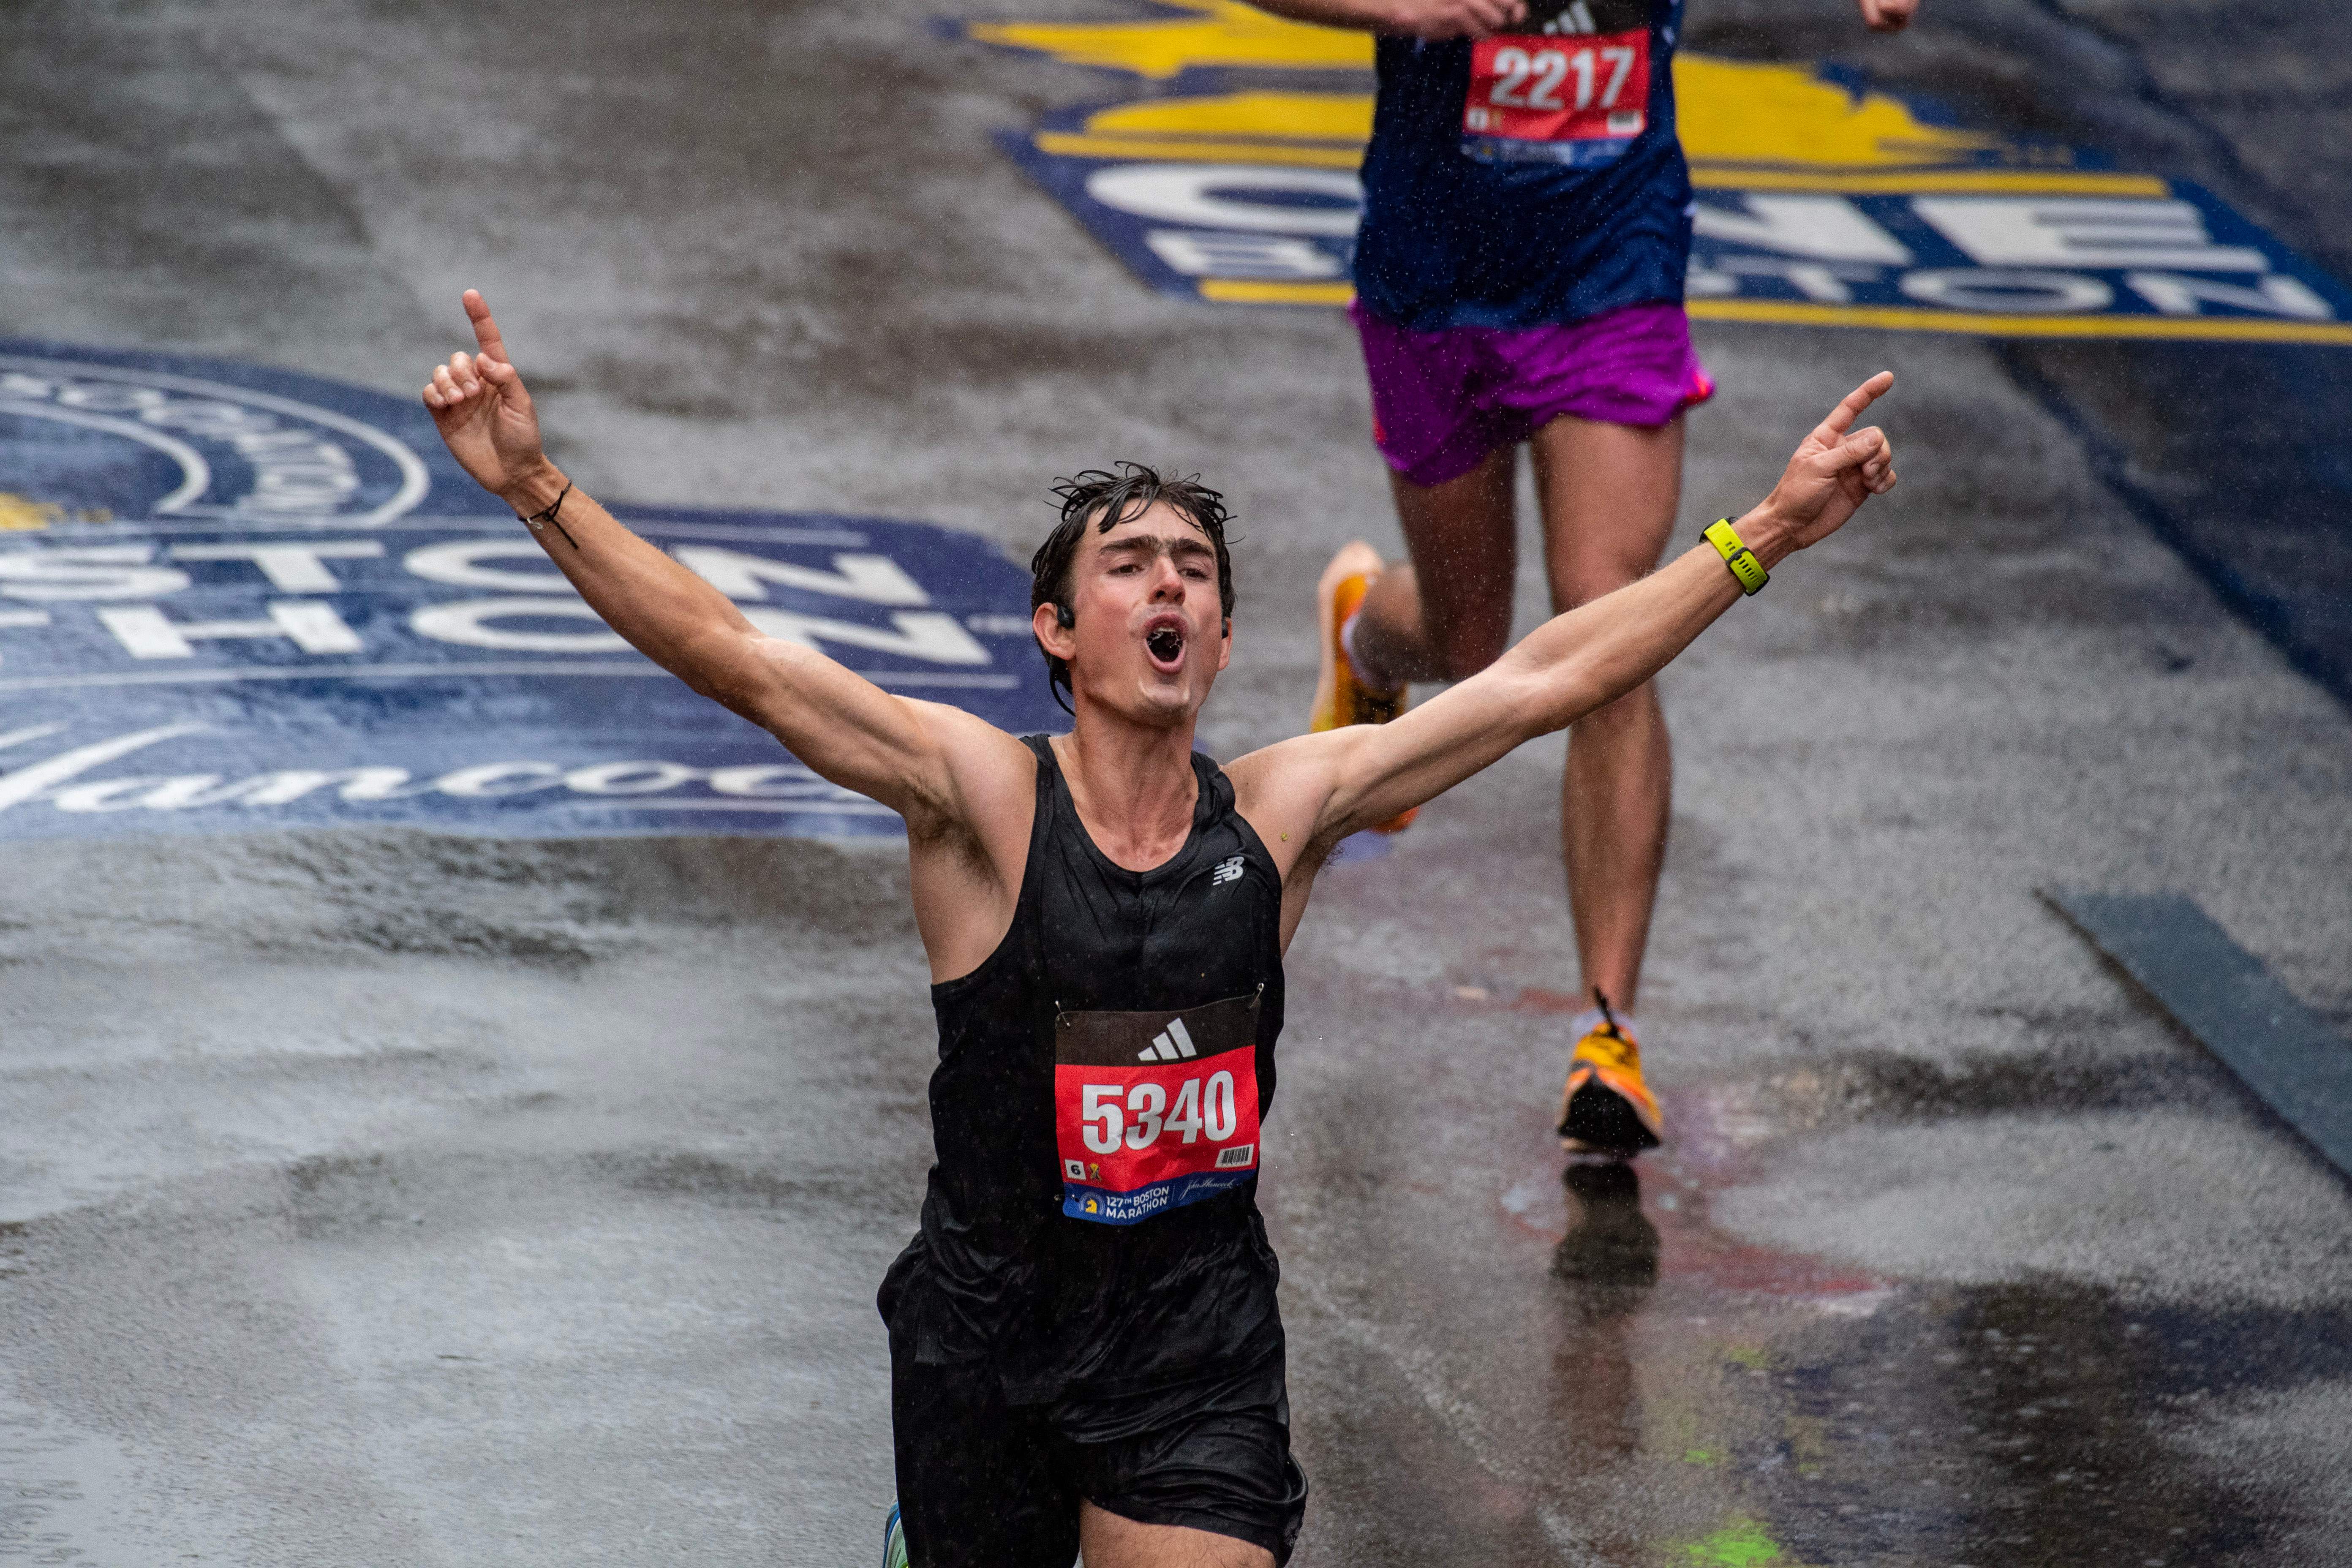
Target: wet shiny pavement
x,y
381,1197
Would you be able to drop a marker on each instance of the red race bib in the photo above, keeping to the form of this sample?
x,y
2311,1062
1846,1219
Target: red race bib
x,y
1154,1111
1568,95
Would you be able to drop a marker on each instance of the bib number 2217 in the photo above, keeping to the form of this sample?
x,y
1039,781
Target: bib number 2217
x,y
1578,98
1154,1111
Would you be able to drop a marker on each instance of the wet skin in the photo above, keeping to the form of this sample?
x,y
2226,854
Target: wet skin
x,y
1146,622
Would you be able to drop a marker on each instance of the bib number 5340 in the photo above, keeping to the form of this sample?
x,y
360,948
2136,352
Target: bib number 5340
x,y
1136,1116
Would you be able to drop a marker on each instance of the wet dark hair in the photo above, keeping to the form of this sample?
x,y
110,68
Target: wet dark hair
x,y
1110,499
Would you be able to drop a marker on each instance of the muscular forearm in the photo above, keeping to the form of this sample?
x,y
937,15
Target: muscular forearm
x,y
1598,652
1431,19
1366,16
663,610
1595,654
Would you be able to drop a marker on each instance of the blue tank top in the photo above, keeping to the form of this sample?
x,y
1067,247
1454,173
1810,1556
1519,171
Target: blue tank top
x,y
1526,178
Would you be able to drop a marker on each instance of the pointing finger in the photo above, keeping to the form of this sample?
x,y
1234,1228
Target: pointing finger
x,y
486,331
1851,405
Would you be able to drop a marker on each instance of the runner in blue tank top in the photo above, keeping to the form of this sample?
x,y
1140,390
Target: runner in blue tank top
x,y
1519,280
1084,1344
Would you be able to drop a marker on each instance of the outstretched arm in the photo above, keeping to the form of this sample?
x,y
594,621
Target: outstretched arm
x,y
899,751
1316,789
1430,19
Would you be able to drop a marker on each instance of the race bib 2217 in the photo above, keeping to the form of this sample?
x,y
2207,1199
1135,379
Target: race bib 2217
x,y
1563,91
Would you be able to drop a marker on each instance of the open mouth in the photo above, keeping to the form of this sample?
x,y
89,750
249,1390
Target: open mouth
x,y
1165,643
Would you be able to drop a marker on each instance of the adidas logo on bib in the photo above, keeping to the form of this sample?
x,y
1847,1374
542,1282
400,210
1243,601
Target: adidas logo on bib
x,y
1172,1044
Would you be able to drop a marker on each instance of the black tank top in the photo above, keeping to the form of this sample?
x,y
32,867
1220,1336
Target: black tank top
x,y
1092,1221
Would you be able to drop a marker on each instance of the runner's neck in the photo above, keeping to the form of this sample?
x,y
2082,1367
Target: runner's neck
x,y
1134,787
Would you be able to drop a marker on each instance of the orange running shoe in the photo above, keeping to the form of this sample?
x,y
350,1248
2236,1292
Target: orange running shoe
x,y
1606,1108
1342,699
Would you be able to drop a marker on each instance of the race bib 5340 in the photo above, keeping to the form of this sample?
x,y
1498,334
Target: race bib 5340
x,y
1154,1111
1564,92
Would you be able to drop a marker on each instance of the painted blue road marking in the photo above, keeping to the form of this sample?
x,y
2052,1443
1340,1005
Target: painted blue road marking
x,y
234,600
2222,994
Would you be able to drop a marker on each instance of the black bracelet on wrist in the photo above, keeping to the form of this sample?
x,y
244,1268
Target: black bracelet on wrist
x,y
548,514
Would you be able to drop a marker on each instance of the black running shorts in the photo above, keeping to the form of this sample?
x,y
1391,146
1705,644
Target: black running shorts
x,y
985,1484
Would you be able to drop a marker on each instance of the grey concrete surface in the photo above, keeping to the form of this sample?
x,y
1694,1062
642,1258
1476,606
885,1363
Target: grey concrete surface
x,y
384,1197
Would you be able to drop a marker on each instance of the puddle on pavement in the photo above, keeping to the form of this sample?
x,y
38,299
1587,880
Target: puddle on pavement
x,y
70,1498
1834,1417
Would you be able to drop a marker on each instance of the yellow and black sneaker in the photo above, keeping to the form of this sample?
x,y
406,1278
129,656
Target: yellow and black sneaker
x,y
1341,697
1606,1108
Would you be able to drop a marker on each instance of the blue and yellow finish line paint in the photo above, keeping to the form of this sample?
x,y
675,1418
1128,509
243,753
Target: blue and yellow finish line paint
x,y
1230,175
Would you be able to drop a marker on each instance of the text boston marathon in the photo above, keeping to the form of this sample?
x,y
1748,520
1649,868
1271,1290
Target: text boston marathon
x,y
234,597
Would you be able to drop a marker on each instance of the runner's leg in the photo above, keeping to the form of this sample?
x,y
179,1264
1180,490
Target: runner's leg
x,y
1111,1541
979,1485
1448,615
1609,494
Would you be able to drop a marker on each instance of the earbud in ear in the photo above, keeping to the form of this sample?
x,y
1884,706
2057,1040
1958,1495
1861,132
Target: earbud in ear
x,y
1063,613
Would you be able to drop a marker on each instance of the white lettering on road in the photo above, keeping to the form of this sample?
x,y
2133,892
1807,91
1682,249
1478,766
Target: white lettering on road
x,y
460,566
629,778
92,571
26,783
1823,228
2276,295
919,634
876,579
311,625
782,788
2081,231
1995,290
473,622
490,780
290,568
1218,195
1824,281
1198,254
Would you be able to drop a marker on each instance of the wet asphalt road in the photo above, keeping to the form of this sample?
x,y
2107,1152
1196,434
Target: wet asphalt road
x,y
379,1197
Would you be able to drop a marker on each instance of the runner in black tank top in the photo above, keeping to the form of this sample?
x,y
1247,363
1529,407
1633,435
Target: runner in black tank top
x,y
1084,1341
1072,1305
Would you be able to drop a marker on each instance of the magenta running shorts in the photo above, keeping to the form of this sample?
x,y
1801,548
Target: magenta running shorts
x,y
1443,400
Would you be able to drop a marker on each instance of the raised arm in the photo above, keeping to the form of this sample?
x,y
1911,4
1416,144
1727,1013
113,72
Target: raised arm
x,y
1430,19
900,752
1314,789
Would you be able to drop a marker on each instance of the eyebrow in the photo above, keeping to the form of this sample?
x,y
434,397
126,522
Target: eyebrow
x,y
1152,544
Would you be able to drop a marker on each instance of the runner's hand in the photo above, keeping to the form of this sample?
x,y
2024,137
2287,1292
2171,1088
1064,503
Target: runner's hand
x,y
1835,470
1436,19
1888,16
483,412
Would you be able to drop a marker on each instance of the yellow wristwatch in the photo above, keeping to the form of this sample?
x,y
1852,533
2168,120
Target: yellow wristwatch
x,y
1737,555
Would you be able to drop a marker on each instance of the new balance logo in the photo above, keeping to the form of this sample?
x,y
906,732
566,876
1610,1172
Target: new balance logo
x,y
1172,1044
1226,871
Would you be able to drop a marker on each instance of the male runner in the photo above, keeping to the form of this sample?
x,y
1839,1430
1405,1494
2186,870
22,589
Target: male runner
x,y
1083,1342
1519,279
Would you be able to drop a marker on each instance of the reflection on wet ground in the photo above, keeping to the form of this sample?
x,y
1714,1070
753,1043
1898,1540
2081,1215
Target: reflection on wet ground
x,y
1679,1395
1882,1424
